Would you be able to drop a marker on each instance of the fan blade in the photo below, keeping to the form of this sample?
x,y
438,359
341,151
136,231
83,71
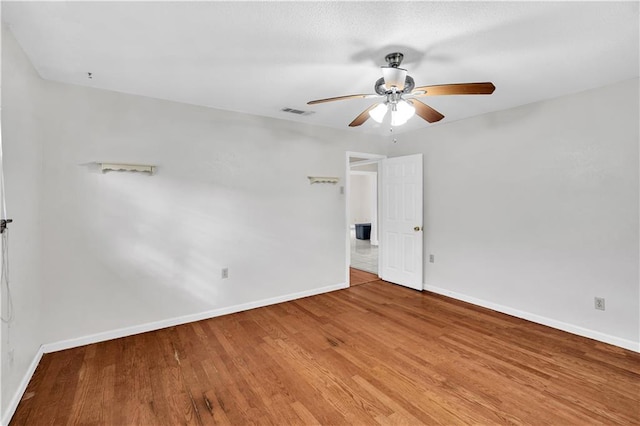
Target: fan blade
x,y
364,116
341,98
455,89
426,112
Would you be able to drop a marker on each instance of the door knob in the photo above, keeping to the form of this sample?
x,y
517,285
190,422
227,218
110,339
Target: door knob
x,y
417,228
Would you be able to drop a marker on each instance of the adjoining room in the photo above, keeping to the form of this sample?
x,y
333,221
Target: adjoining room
x,y
363,215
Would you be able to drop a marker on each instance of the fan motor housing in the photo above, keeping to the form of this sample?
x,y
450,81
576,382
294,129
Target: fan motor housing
x,y
381,89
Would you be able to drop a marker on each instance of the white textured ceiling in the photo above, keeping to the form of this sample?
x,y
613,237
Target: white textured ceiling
x,y
258,57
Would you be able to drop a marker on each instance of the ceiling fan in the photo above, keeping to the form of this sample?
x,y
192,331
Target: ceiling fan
x,y
395,85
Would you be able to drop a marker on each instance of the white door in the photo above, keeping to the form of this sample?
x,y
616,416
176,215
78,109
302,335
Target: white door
x,y
401,221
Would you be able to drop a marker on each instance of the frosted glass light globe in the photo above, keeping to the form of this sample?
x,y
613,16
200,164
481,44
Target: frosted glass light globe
x,y
378,113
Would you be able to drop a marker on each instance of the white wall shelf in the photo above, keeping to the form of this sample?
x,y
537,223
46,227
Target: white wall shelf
x,y
321,179
118,167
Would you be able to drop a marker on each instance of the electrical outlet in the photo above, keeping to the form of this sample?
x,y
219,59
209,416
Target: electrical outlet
x,y
432,259
599,303
225,273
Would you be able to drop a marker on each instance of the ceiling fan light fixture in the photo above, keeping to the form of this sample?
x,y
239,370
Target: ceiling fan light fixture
x,y
394,77
397,119
378,113
402,112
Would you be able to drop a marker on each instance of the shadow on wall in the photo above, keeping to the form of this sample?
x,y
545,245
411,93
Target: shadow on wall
x,y
173,235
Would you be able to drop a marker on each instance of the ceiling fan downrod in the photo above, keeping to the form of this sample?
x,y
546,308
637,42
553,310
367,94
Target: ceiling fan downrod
x,y
394,59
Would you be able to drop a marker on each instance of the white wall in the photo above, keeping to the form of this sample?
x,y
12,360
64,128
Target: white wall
x,y
360,202
231,190
536,209
22,154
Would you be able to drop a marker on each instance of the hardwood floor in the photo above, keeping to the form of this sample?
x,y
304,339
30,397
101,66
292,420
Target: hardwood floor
x,y
358,277
372,354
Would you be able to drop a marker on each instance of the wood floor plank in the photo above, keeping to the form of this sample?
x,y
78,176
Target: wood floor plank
x,y
358,276
375,353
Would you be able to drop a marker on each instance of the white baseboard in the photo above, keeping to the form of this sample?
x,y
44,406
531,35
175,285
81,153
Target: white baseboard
x,y
151,326
13,404
570,328
157,325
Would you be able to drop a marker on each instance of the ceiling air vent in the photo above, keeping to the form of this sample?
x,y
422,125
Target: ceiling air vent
x,y
297,111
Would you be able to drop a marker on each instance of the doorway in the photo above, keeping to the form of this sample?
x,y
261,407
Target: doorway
x,y
363,221
395,218
362,217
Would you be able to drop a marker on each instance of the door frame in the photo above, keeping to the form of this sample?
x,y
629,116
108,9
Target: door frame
x,y
368,159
